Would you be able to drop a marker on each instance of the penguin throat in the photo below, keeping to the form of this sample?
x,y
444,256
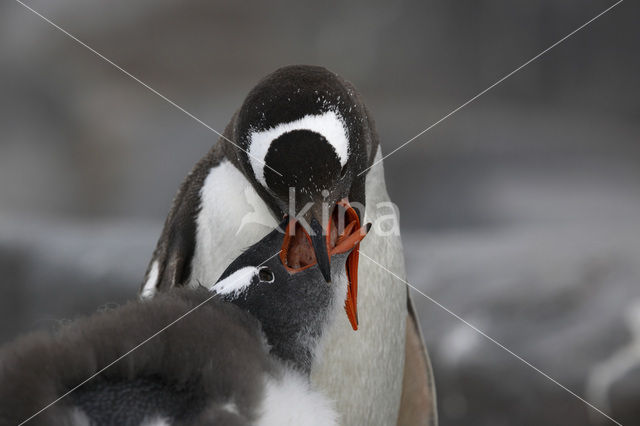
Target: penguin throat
x,y
300,254
297,251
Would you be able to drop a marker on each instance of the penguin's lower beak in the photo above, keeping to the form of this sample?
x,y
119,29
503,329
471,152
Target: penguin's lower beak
x,y
348,241
320,248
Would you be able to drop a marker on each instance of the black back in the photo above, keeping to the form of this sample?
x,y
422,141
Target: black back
x,y
124,402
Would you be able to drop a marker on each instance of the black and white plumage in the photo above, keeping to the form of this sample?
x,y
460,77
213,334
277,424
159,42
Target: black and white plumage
x,y
308,128
241,358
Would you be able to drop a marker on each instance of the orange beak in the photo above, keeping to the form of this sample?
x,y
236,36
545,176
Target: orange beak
x,y
298,254
347,240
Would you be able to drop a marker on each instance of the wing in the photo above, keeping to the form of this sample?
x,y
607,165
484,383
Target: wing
x,y
418,403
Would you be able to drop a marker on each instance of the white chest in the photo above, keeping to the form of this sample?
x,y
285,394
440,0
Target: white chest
x,y
232,218
362,370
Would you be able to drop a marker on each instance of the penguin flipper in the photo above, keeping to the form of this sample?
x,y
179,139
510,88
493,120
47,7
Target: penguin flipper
x,y
418,402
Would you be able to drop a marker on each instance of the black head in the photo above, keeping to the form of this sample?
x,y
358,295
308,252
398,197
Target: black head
x,y
293,308
303,127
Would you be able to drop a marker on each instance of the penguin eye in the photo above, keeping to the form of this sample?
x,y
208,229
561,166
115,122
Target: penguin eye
x,y
265,274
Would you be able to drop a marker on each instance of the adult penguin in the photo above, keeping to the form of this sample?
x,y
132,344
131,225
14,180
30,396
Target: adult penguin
x,y
306,128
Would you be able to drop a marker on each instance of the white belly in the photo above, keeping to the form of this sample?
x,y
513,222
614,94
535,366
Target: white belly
x,y
360,370
363,369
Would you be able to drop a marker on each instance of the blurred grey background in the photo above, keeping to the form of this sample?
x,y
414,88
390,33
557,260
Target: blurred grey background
x,y
521,213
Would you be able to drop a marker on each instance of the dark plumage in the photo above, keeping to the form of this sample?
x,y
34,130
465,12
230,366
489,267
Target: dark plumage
x,y
214,353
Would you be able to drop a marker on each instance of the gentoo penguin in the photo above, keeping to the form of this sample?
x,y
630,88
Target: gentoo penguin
x,y
239,356
304,127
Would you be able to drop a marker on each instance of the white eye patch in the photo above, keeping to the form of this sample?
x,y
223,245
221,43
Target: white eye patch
x,y
237,282
329,124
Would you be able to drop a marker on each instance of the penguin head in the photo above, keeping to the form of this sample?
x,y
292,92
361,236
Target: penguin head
x,y
292,308
305,136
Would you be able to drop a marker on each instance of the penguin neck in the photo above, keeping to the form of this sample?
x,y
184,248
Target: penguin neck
x,y
298,349
295,332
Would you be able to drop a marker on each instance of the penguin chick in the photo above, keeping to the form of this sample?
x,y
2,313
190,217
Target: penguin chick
x,y
238,356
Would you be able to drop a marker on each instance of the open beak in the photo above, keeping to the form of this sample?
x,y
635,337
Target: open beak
x,y
301,250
